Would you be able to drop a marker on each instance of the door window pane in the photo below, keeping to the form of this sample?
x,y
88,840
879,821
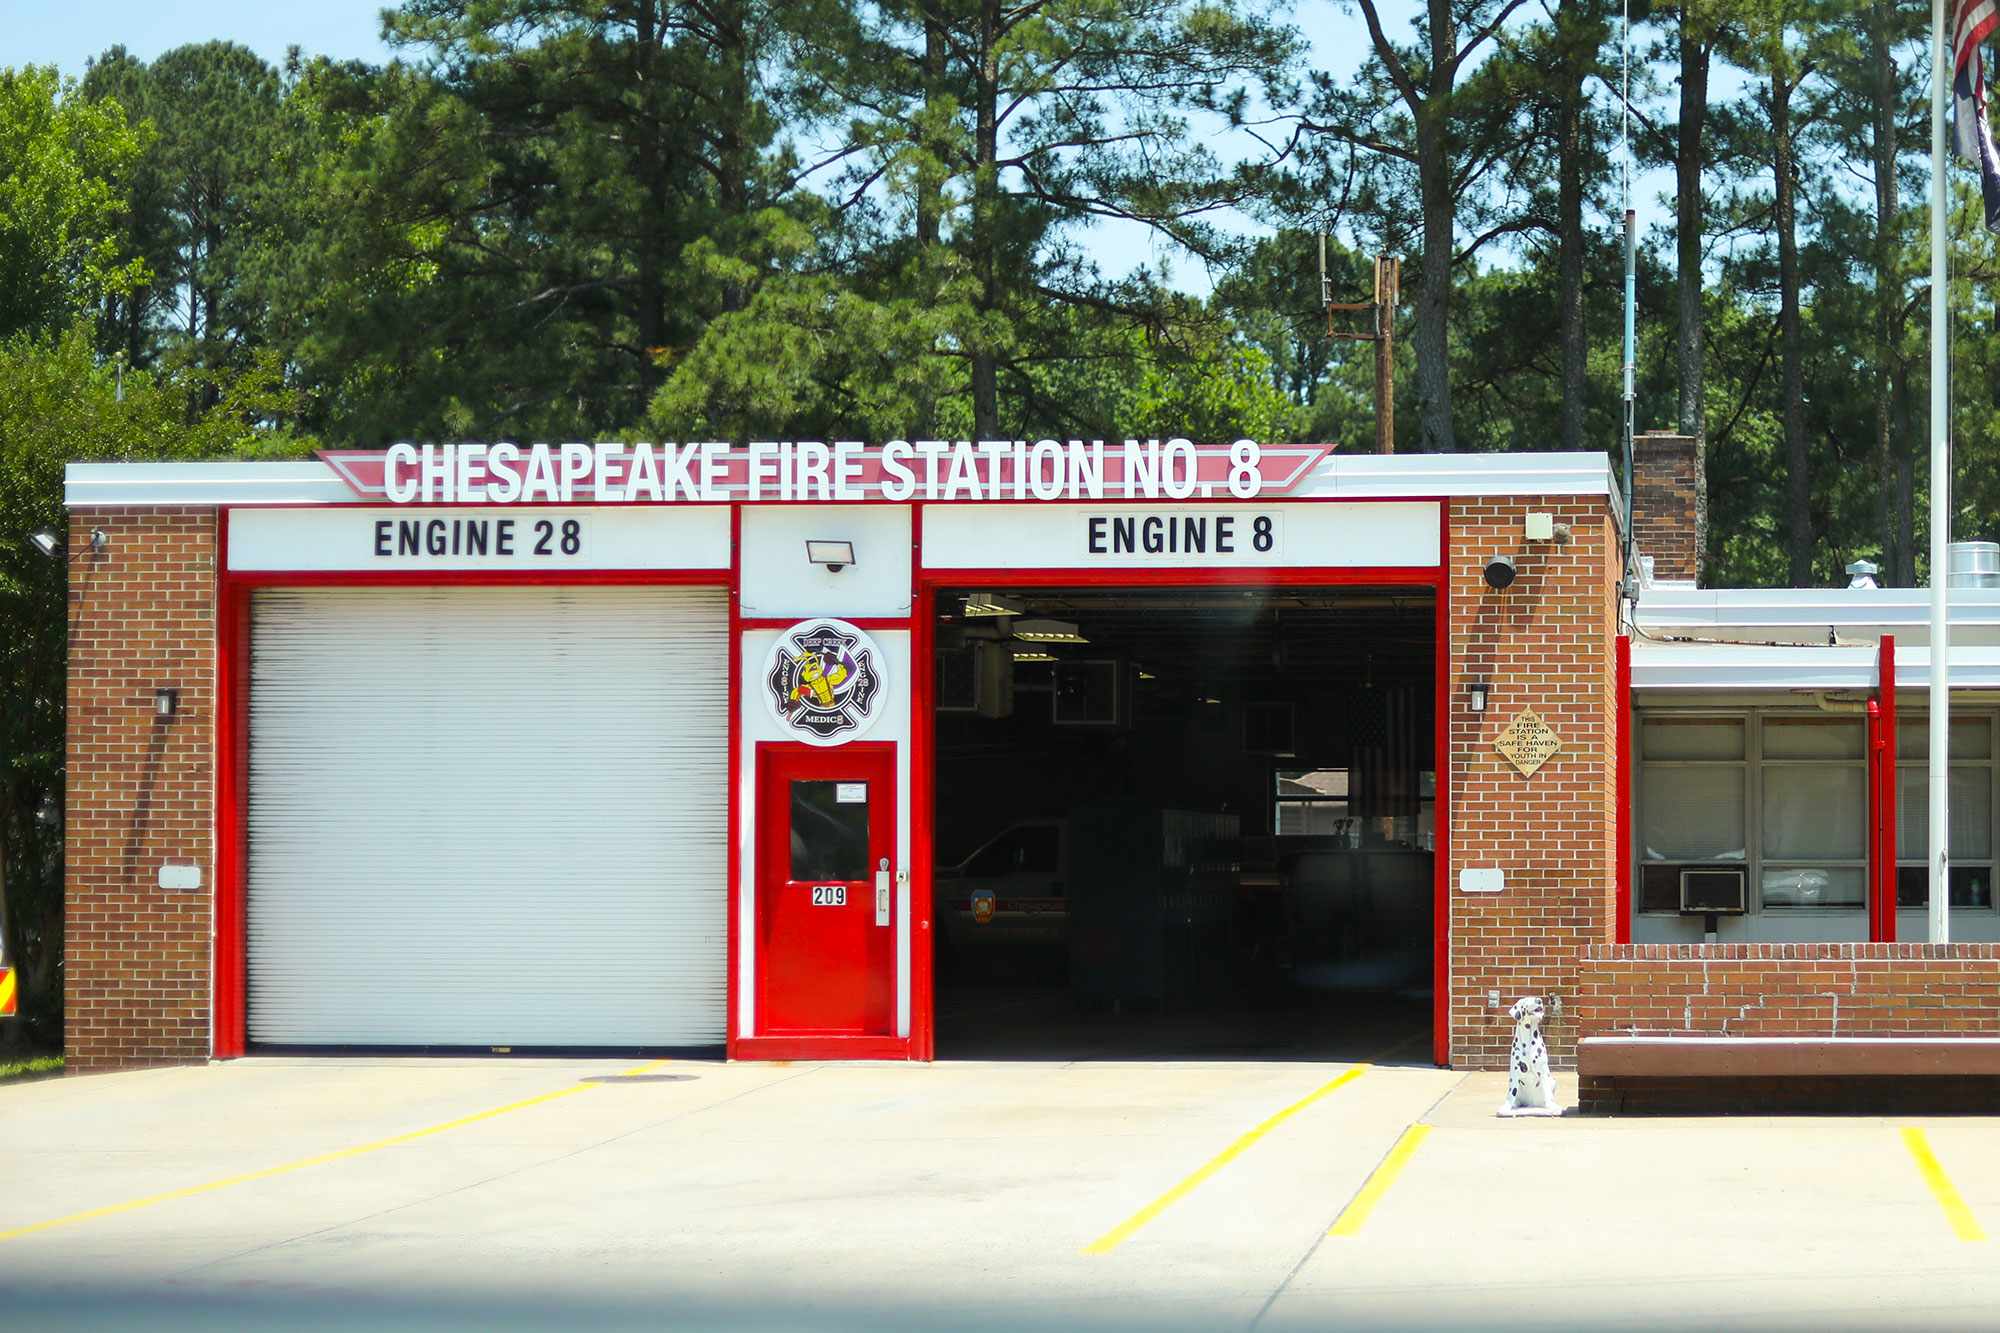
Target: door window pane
x,y
1694,813
1818,812
829,835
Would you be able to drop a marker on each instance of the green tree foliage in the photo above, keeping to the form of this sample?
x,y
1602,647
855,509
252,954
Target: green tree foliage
x,y
980,139
199,194
63,162
60,403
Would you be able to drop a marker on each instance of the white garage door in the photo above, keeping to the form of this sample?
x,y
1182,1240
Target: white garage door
x,y
492,816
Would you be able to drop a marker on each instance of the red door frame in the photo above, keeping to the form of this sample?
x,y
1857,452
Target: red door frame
x,y
772,758
923,767
229,999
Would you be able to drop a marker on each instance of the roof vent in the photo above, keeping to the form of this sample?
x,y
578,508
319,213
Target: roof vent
x,y
1861,574
1973,565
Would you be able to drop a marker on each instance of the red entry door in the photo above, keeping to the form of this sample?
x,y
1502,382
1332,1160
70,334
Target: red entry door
x,y
826,856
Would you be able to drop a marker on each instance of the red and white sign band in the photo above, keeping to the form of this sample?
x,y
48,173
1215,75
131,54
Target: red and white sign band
x,y
948,471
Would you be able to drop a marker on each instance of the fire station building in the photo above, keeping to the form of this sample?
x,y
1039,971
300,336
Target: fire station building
x,y
921,749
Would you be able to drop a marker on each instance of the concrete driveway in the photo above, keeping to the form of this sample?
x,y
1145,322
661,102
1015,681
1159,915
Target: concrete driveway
x,y
483,1193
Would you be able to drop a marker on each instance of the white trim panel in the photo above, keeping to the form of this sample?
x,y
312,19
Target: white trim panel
x,y
309,483
1314,535
607,537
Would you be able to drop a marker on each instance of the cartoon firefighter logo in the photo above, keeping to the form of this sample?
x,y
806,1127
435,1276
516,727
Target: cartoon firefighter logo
x,y
824,681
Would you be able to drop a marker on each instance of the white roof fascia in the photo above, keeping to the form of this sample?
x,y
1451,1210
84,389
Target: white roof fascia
x,y
1423,476
88,485
1718,666
1336,477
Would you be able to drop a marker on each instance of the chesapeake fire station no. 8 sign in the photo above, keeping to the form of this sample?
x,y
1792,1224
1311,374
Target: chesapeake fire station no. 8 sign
x,y
709,471
823,681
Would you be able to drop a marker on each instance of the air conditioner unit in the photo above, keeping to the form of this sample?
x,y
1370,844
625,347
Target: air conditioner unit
x,y
1706,892
1087,694
976,678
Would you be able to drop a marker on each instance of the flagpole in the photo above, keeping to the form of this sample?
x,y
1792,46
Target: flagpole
x,y
1940,692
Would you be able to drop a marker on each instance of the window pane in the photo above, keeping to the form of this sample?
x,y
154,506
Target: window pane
x,y
1971,813
1971,886
1691,738
829,835
1971,738
1693,813
1813,886
1819,812
1814,738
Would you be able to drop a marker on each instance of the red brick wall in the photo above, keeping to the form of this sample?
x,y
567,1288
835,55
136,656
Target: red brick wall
x,y
142,617
1778,990
1545,643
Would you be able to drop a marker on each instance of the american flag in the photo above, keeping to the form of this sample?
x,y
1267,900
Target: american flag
x,y
1972,22
1382,726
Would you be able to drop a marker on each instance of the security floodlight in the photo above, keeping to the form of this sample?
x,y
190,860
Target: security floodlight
x,y
836,556
49,544
1499,573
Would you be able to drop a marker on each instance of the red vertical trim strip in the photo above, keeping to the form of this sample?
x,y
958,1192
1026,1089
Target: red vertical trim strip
x,y
1441,808
923,752
1886,689
735,887
1875,860
1622,878
232,785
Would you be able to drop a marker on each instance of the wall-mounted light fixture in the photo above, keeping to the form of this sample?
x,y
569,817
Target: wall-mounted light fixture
x,y
1499,573
49,544
836,556
1033,655
1476,694
166,703
98,541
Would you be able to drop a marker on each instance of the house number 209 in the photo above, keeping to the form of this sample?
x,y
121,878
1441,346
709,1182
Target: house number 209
x,y
829,895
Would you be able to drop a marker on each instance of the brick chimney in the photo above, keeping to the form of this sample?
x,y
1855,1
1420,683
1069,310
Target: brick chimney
x,y
1670,505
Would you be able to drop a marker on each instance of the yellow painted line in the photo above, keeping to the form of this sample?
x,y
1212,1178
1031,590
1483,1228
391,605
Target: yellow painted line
x,y
1121,1233
212,1185
1962,1221
1355,1215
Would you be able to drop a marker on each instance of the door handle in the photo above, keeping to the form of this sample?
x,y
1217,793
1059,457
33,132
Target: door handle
x,y
882,892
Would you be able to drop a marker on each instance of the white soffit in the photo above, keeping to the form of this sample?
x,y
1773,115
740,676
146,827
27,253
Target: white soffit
x,y
1336,477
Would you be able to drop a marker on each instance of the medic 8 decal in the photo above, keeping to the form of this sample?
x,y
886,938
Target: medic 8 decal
x,y
823,681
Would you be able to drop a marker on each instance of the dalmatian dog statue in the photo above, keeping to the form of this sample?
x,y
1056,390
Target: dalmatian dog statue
x,y
1531,1089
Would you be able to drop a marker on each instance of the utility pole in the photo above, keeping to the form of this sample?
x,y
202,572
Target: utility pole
x,y
1388,290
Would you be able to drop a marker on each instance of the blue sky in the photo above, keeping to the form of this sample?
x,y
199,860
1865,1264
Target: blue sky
x,y
68,34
